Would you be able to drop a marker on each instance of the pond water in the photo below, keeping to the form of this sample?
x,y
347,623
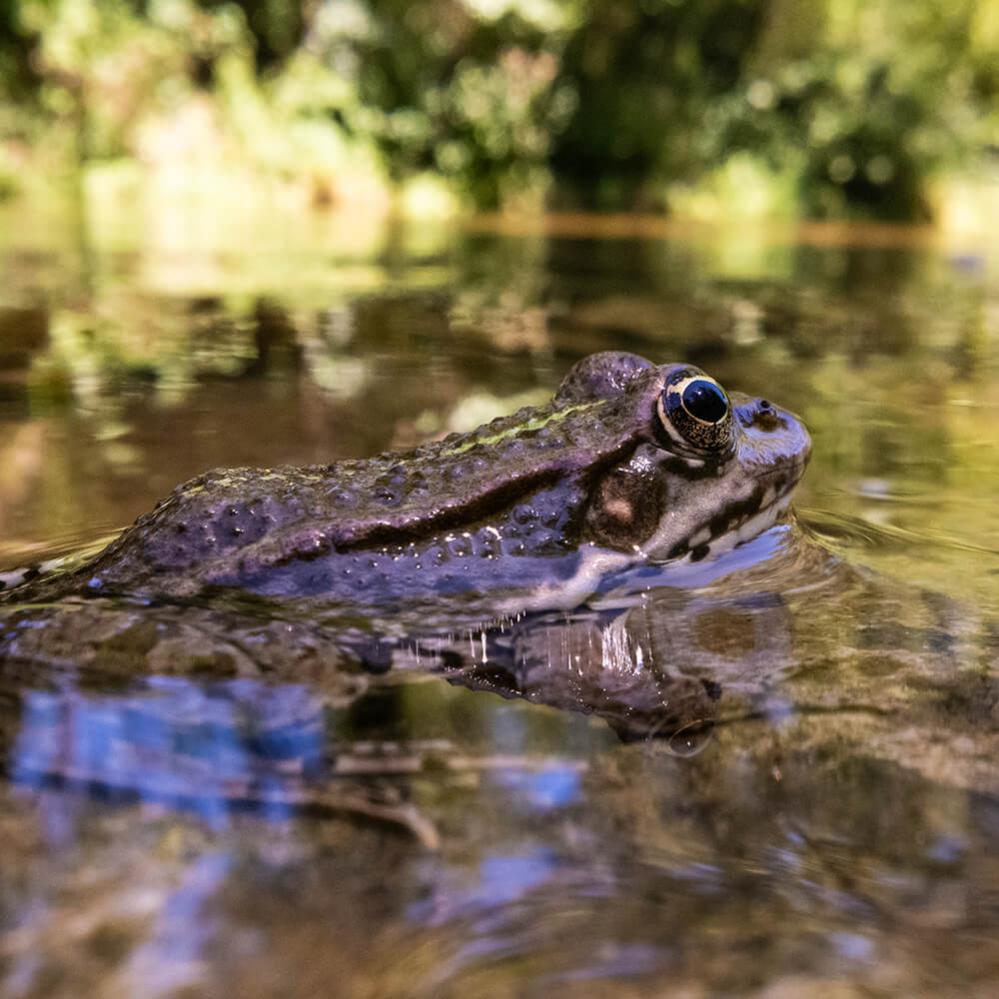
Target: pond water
x,y
773,776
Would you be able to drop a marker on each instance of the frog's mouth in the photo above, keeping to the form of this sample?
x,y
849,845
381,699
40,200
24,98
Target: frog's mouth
x,y
745,526
744,519
747,511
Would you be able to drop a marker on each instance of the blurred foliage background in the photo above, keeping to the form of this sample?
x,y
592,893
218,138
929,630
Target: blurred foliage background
x,y
827,108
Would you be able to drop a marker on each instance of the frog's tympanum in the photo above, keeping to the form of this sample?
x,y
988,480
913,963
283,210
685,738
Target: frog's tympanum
x,y
630,462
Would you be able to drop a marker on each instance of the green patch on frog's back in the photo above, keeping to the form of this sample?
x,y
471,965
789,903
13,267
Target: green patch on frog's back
x,y
531,424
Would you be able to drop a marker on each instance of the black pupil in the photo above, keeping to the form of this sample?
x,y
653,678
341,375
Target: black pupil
x,y
706,401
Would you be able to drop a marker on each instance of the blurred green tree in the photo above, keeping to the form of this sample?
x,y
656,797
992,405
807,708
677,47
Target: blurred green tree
x,y
867,98
463,87
608,102
642,76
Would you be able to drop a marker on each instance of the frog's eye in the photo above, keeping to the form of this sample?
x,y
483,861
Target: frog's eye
x,y
697,408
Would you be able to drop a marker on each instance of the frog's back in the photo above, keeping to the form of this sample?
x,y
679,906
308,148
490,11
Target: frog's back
x,y
513,486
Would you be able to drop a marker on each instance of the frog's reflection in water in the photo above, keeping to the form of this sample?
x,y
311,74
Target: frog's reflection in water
x,y
657,669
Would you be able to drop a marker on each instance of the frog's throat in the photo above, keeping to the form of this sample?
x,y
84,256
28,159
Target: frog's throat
x,y
596,563
703,545
689,532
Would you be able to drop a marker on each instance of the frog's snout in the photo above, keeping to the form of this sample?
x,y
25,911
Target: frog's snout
x,y
774,437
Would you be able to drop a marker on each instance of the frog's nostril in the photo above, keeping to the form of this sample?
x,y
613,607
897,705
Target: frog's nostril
x,y
768,420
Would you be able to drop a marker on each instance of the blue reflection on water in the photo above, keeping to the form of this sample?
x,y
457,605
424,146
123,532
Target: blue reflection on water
x,y
852,946
611,959
505,878
175,742
170,958
544,790
499,879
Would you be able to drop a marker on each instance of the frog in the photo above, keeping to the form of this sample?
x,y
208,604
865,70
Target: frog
x,y
647,467
631,462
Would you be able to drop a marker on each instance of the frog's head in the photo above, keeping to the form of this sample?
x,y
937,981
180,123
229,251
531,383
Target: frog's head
x,y
711,469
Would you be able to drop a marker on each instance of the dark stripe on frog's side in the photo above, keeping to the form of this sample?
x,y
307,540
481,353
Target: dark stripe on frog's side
x,y
303,545
533,540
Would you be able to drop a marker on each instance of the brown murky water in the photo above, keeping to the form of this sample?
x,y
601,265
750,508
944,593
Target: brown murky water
x,y
817,808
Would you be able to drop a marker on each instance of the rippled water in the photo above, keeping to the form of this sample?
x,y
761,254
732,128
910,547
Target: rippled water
x,y
773,777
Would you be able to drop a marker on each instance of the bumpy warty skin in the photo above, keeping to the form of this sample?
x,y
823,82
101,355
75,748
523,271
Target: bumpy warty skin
x,y
516,504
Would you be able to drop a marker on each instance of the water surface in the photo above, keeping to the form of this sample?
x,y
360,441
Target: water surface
x,y
765,782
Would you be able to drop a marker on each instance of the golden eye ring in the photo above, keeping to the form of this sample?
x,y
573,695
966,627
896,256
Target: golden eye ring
x,y
697,408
